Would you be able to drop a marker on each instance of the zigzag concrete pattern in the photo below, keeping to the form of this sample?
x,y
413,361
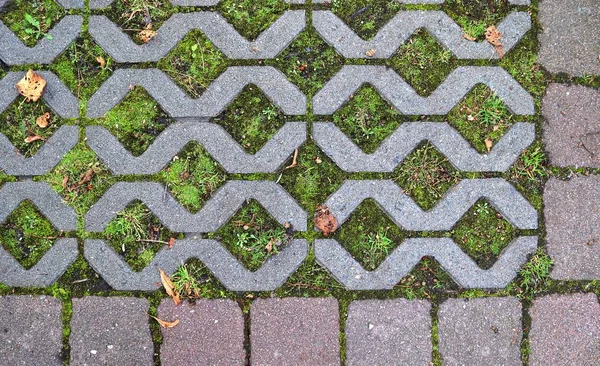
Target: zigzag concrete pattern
x,y
448,211
436,2
219,144
222,34
99,4
221,263
394,149
50,154
56,95
346,270
405,99
213,101
398,30
215,213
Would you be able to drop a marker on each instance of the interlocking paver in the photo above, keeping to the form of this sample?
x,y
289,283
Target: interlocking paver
x,y
572,213
405,23
216,328
513,2
110,331
572,125
410,135
565,330
31,330
484,331
219,144
99,4
406,100
294,331
569,39
388,332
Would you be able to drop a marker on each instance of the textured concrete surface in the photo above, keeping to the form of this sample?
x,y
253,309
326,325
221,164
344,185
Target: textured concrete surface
x,y
405,23
572,213
463,270
110,331
571,129
99,4
565,330
569,39
388,332
339,89
485,331
410,135
294,331
31,331
210,332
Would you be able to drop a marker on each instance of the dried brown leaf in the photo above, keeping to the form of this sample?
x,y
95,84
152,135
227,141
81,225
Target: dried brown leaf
x,y
325,221
31,86
101,61
30,139
488,145
169,287
468,37
65,181
269,246
493,36
294,160
87,176
147,34
164,323
43,120
370,53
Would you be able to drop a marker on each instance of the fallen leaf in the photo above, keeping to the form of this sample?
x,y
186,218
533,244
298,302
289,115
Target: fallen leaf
x,y
493,36
30,139
87,176
488,144
269,246
65,181
468,37
171,243
294,160
164,323
470,118
147,34
101,61
31,86
43,120
169,287
370,53
325,221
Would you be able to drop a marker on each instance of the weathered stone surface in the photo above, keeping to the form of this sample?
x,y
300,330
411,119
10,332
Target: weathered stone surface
x,y
571,131
214,214
569,39
565,330
216,28
513,2
388,332
485,331
219,144
31,330
210,332
110,331
405,23
233,275
394,149
406,100
98,4
572,213
222,91
463,270
294,331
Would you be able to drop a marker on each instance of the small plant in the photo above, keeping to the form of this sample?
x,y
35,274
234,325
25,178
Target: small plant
x,y
33,28
492,111
185,283
377,248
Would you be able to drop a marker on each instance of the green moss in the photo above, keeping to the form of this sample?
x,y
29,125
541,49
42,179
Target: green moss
x,y
310,279
251,17
365,17
475,16
133,16
31,20
194,63
6,178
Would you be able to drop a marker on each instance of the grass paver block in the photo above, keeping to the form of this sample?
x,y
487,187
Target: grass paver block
x,y
388,332
99,4
110,331
31,330
294,331
485,331
572,213
569,39
210,332
565,330
572,125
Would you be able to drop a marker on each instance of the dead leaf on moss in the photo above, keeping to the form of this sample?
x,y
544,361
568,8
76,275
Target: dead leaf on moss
x,y
101,61
43,120
31,86
488,145
147,34
164,323
294,160
325,221
468,37
169,287
493,36
30,139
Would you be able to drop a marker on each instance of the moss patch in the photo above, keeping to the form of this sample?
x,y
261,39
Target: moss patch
x,y
31,20
365,17
251,17
475,16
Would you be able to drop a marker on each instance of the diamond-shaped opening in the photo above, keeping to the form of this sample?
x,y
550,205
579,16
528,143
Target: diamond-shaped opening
x,y
366,17
251,17
310,279
425,280
137,235
251,119
27,234
136,121
475,16
194,63
369,235
481,116
425,175
135,16
192,176
483,233
31,20
367,119
81,279
193,280
423,62
252,235
309,62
